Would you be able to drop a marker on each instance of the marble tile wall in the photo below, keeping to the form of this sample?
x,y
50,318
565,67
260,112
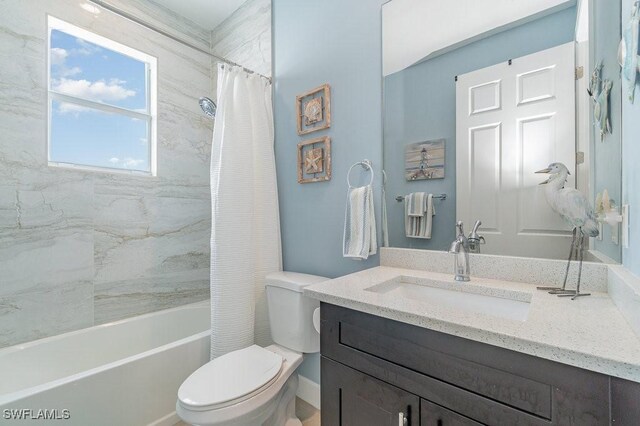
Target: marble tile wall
x,y
244,38
82,248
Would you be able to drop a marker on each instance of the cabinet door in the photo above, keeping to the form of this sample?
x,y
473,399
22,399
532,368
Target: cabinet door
x,y
351,398
435,415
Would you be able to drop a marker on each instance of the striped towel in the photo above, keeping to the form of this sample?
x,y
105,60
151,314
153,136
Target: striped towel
x,y
416,204
359,240
419,212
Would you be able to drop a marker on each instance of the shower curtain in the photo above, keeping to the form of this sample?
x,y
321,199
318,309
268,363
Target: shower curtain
x,y
245,230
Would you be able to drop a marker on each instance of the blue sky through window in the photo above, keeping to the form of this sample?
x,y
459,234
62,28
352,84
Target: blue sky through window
x,y
89,136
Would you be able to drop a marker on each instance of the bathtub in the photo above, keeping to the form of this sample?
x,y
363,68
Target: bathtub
x,y
123,373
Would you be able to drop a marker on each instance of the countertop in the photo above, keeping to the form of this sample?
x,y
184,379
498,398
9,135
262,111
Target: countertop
x,y
588,333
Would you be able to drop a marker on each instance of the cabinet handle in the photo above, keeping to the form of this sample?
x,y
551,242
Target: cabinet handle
x,y
402,420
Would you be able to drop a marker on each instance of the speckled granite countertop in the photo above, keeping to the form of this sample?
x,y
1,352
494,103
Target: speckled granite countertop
x,y
589,333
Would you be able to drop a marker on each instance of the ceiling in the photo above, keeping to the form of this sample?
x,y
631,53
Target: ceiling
x,y
414,29
206,13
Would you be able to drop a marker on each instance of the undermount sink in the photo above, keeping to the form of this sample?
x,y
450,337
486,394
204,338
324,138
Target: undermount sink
x,y
508,304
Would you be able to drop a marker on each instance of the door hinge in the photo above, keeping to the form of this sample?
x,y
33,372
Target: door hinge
x,y
579,73
579,157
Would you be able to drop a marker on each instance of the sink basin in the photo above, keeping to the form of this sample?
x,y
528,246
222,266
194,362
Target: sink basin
x,y
507,304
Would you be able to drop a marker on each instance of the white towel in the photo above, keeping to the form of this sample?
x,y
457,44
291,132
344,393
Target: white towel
x,y
359,240
418,226
385,221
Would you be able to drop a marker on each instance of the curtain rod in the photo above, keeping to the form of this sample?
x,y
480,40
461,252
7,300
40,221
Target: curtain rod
x,y
138,21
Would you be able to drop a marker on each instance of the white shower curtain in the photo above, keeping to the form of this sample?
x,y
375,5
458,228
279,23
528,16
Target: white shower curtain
x,y
245,231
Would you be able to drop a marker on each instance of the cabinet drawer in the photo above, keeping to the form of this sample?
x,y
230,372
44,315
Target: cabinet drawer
x,y
435,415
515,391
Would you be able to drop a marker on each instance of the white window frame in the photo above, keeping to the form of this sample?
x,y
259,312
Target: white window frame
x,y
150,116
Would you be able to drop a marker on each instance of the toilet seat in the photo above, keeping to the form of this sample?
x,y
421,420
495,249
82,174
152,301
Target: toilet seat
x,y
231,378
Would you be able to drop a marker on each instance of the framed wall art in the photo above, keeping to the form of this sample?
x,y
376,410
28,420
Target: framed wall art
x,y
314,160
313,110
425,160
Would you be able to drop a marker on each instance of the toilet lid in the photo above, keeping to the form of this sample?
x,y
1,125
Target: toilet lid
x,y
230,377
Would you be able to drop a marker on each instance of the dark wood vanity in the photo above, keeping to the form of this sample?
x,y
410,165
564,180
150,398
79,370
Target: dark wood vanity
x,y
377,371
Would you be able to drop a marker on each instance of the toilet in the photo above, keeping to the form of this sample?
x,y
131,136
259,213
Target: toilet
x,y
255,385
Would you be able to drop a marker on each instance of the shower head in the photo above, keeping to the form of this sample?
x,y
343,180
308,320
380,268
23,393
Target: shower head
x,y
208,107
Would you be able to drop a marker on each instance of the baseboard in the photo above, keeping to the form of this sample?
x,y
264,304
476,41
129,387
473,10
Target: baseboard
x,y
168,420
308,391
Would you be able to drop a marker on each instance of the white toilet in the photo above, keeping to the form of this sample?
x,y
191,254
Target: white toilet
x,y
257,386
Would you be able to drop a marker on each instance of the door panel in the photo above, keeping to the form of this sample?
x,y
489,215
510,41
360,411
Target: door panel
x,y
485,97
512,120
537,85
351,398
535,137
486,146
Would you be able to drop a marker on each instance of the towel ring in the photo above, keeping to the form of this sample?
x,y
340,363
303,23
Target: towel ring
x,y
366,164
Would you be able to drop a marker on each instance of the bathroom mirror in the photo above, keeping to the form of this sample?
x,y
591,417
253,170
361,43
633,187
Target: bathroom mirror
x,y
478,96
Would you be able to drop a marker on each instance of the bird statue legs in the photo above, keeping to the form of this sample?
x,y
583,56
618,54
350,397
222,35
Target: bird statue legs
x,y
575,294
558,290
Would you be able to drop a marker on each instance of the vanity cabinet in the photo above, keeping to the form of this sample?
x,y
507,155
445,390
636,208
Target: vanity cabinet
x,y
364,400
377,371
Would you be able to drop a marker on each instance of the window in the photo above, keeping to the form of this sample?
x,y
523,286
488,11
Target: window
x,y
102,102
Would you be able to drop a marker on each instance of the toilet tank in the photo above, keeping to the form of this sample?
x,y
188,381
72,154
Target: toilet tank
x,y
291,313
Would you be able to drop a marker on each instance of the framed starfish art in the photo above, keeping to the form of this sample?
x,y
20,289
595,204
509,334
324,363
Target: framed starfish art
x,y
314,160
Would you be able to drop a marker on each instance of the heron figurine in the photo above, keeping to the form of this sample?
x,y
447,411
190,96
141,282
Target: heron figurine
x,y
575,209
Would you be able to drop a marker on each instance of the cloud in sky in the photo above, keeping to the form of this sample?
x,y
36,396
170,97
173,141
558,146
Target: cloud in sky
x,y
131,162
127,163
58,59
67,108
86,48
99,91
69,72
58,56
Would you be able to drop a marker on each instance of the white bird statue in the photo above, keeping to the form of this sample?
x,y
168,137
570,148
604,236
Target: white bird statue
x,y
575,209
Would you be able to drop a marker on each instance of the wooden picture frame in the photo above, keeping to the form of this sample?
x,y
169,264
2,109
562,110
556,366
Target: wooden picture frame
x,y
314,160
425,160
313,110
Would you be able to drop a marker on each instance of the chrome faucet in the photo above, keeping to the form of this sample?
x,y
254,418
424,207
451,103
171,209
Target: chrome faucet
x,y
474,239
460,247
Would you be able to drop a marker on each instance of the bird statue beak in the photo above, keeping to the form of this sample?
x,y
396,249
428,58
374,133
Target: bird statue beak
x,y
547,170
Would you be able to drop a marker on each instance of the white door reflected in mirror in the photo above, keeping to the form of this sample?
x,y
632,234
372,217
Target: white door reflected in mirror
x,y
512,119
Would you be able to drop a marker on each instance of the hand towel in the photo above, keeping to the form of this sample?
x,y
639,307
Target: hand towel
x,y
418,226
359,240
385,219
416,204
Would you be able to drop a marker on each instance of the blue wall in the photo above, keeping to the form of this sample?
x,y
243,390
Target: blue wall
x,y
631,171
420,104
316,42
607,154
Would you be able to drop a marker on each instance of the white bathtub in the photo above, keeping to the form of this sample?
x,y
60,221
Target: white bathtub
x,y
123,373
